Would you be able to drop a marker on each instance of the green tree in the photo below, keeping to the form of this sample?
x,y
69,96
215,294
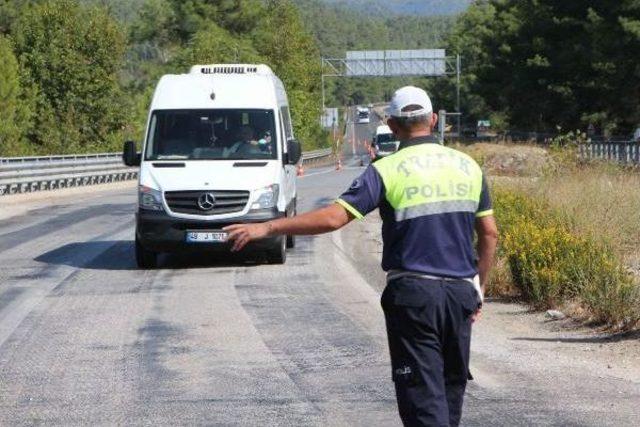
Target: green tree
x,y
294,56
73,55
235,16
213,44
541,64
8,12
467,39
14,110
156,22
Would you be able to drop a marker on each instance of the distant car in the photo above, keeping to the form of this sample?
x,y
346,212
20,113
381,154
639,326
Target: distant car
x,y
384,143
362,115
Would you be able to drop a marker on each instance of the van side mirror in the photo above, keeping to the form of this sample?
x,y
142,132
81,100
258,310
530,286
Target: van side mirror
x,y
130,156
294,152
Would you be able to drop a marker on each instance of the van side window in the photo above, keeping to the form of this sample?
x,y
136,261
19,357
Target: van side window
x,y
283,136
286,120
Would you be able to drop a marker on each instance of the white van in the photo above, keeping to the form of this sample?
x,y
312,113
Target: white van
x,y
362,115
219,149
384,143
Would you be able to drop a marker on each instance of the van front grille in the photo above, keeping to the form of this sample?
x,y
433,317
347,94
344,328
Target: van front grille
x,y
206,203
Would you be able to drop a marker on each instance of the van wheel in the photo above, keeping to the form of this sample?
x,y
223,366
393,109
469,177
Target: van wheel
x,y
278,254
144,258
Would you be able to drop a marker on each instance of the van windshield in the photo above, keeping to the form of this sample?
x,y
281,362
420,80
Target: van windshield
x,y
386,142
235,134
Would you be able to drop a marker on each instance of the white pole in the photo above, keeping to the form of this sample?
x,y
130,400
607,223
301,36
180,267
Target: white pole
x,y
442,124
323,109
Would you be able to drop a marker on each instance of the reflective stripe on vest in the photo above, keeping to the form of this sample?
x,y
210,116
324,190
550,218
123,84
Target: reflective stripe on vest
x,y
429,179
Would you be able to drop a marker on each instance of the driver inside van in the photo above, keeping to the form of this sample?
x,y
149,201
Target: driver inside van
x,y
247,145
245,142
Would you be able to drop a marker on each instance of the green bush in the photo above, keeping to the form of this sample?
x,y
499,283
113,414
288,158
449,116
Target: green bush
x,y
552,264
14,109
72,56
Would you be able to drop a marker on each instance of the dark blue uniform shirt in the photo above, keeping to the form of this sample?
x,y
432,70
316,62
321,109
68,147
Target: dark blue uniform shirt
x,y
439,244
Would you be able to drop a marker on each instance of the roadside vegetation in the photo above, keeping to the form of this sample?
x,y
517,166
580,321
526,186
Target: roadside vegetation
x,y
533,65
77,75
569,232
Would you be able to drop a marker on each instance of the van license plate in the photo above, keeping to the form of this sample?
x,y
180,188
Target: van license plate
x,y
206,236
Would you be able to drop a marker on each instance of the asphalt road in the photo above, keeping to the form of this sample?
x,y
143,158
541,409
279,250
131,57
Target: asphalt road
x,y
86,338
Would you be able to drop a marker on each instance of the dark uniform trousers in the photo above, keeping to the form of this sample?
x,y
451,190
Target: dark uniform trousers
x,y
429,331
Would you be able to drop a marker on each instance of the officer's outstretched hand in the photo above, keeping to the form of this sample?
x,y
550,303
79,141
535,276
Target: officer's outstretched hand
x,y
241,234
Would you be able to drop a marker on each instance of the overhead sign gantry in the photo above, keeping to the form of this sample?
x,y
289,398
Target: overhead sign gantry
x,y
393,63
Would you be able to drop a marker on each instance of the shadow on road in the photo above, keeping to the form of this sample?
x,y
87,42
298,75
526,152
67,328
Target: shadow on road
x,y
600,339
119,255
93,255
60,222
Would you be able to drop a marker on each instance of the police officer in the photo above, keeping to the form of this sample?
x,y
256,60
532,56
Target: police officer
x,y
430,198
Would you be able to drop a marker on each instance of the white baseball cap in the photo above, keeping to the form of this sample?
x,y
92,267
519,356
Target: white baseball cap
x,y
406,96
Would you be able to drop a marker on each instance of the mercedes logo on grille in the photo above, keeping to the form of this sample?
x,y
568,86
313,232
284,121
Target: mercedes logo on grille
x,y
206,201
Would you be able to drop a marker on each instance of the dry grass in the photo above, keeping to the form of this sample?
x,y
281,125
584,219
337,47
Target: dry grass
x,y
553,263
598,201
601,200
510,159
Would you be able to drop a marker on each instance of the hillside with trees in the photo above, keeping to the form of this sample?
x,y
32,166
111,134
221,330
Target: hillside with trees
x,y
338,28
77,76
406,7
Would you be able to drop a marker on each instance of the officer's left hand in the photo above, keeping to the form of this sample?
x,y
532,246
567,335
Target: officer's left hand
x,y
241,234
476,316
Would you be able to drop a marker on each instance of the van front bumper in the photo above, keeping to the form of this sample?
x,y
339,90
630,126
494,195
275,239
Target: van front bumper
x,y
160,232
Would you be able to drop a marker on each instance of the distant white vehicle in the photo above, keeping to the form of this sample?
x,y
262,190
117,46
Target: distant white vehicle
x,y
384,143
362,115
219,150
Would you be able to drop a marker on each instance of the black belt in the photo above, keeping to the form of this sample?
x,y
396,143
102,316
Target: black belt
x,y
397,274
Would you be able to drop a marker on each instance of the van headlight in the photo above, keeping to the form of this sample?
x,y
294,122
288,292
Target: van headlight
x,y
266,197
150,199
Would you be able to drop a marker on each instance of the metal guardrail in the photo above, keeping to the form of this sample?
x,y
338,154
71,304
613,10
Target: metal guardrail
x,y
624,152
316,156
31,174
66,157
